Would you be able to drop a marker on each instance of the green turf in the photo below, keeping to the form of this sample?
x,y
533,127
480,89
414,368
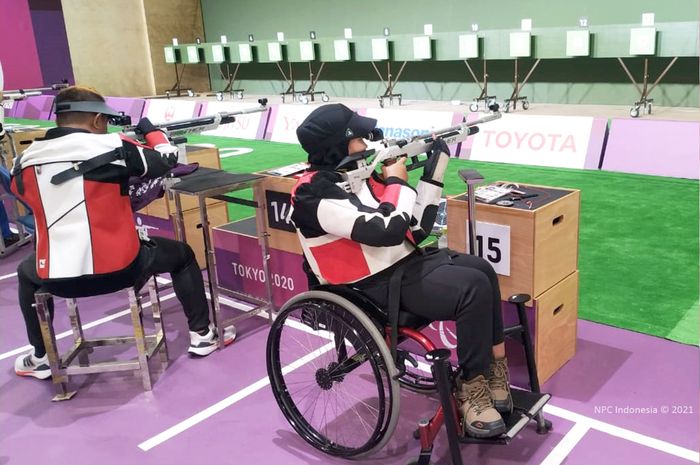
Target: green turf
x,y
638,243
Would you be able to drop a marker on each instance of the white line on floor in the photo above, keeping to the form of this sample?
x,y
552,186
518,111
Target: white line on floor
x,y
566,445
8,276
92,324
658,444
227,402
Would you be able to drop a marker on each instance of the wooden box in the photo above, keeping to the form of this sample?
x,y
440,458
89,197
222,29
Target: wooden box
x,y
275,194
207,157
22,140
552,319
543,240
217,214
165,227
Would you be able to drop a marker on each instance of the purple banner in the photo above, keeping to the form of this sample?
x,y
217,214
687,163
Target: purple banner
x,y
660,148
239,268
51,41
18,54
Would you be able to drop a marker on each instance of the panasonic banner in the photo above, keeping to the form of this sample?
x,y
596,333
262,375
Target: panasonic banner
x,y
404,124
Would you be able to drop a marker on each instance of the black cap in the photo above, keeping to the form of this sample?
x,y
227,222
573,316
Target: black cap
x,y
325,133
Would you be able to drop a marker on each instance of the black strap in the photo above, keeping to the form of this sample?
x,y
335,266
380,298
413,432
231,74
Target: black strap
x,y
310,275
86,166
394,305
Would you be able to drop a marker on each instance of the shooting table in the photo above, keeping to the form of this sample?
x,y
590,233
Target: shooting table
x,y
217,184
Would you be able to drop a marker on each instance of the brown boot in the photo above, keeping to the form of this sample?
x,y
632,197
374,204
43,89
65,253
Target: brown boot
x,y
500,386
479,418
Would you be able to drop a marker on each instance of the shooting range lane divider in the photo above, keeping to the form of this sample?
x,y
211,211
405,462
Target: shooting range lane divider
x,y
659,148
131,107
34,107
166,110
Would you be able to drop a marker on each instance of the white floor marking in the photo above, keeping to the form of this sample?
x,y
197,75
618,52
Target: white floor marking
x,y
92,324
566,445
658,444
227,402
8,276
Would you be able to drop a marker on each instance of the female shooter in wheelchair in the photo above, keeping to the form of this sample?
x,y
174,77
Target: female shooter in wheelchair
x,y
370,239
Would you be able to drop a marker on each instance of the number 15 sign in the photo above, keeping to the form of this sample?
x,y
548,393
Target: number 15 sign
x,y
493,244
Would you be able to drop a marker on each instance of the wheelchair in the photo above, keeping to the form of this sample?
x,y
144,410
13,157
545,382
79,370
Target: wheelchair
x,y
334,378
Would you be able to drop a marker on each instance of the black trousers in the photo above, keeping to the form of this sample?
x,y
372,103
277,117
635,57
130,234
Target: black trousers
x,y
464,290
169,256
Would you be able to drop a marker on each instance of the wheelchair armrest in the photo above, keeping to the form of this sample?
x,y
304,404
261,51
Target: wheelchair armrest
x,y
519,298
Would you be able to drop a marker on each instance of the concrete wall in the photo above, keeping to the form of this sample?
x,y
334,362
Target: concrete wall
x,y
117,45
174,18
108,46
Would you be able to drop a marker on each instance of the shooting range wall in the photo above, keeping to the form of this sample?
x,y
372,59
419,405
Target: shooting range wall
x,y
174,18
109,46
34,50
116,47
598,79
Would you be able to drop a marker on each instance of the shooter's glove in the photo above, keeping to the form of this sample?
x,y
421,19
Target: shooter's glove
x,y
158,140
145,126
436,164
169,153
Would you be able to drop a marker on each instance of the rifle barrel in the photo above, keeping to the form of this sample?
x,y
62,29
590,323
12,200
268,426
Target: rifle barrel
x,y
203,121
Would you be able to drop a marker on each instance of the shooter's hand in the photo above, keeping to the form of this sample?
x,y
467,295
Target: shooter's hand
x,y
396,168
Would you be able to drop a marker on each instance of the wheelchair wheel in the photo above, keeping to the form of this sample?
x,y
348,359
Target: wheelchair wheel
x,y
332,375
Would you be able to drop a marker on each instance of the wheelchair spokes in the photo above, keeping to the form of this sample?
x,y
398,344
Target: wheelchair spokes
x,y
344,400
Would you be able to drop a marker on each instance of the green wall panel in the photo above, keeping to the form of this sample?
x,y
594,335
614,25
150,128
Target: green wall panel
x,y
596,80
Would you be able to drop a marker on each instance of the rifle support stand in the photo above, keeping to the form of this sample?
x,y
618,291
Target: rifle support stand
x,y
483,96
644,101
389,83
517,87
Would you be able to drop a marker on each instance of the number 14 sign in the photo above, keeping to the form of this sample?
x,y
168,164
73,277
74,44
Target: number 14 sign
x,y
493,244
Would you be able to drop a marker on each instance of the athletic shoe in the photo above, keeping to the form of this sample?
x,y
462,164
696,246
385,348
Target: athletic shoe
x,y
479,418
29,365
499,386
205,345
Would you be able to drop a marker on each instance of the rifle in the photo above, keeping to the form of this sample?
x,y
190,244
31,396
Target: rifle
x,y
176,130
21,94
411,148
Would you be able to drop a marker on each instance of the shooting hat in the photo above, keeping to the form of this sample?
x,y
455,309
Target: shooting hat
x,y
325,133
86,107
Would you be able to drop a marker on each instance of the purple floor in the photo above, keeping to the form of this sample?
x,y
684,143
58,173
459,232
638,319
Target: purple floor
x,y
608,404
